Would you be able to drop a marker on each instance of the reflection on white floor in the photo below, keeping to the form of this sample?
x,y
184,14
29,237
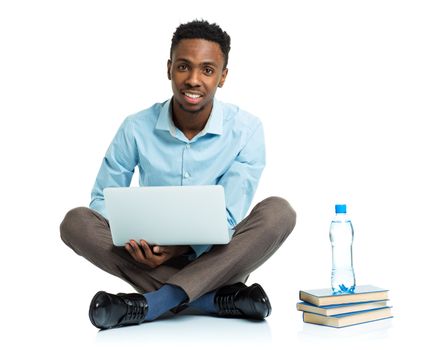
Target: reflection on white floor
x,y
188,328
362,332
202,331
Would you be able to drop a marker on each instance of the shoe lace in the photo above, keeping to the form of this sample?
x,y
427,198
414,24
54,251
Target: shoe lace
x,y
135,310
226,304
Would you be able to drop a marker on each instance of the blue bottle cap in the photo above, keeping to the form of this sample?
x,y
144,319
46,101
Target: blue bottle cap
x,y
340,209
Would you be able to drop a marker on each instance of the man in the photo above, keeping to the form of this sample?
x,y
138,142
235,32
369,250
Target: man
x,y
191,139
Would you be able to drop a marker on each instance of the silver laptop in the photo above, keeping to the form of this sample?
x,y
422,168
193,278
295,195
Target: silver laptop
x,y
167,215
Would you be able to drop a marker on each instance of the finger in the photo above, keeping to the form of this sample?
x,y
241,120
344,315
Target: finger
x,y
129,247
137,252
131,251
147,250
157,249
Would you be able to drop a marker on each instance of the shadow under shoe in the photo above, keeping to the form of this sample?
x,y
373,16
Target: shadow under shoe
x,y
109,310
241,301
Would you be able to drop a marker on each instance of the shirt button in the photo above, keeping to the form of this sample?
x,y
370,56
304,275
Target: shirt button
x,y
186,175
187,146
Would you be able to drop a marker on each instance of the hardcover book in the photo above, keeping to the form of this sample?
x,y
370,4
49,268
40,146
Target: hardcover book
x,y
322,297
350,319
330,310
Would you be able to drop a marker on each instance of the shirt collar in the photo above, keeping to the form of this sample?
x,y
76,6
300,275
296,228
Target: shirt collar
x,y
165,121
214,124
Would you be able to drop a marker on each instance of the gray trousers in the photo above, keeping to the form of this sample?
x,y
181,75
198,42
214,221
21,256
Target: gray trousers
x,y
255,239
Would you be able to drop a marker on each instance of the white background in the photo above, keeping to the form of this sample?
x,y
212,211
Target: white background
x,y
351,94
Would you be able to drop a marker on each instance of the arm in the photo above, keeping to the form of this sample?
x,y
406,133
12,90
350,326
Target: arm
x,y
240,181
117,167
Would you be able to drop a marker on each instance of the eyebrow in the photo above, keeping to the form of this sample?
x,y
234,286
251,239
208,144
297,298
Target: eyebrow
x,y
205,63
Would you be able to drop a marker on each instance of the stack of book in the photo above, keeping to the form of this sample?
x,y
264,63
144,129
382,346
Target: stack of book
x,y
368,303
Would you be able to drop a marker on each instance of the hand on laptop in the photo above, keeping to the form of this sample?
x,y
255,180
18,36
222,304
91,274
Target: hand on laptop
x,y
155,255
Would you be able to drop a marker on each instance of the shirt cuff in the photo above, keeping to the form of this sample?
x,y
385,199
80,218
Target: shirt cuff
x,y
198,250
99,206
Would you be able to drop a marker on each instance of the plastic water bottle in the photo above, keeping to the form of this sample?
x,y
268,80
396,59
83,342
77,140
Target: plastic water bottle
x,y
341,234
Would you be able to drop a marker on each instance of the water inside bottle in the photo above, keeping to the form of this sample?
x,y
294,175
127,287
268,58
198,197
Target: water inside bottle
x,y
342,278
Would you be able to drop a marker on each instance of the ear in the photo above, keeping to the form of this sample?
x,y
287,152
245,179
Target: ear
x,y
169,66
223,77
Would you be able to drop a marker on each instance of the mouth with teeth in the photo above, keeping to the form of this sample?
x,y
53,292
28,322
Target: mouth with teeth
x,y
192,97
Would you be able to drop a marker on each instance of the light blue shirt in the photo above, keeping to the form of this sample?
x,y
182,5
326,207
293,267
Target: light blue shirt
x,y
229,151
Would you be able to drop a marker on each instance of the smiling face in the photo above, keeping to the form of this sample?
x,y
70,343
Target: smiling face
x,y
196,70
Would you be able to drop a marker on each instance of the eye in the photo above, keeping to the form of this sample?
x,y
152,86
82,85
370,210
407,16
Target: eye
x,y
208,71
182,67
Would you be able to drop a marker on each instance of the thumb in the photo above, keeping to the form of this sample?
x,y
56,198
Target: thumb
x,y
159,249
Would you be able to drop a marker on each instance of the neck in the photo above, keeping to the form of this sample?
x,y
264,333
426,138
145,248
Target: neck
x,y
190,123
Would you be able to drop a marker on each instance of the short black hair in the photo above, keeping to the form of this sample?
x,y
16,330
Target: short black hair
x,y
201,29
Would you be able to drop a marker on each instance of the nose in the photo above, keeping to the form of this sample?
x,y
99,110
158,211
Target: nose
x,y
193,78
